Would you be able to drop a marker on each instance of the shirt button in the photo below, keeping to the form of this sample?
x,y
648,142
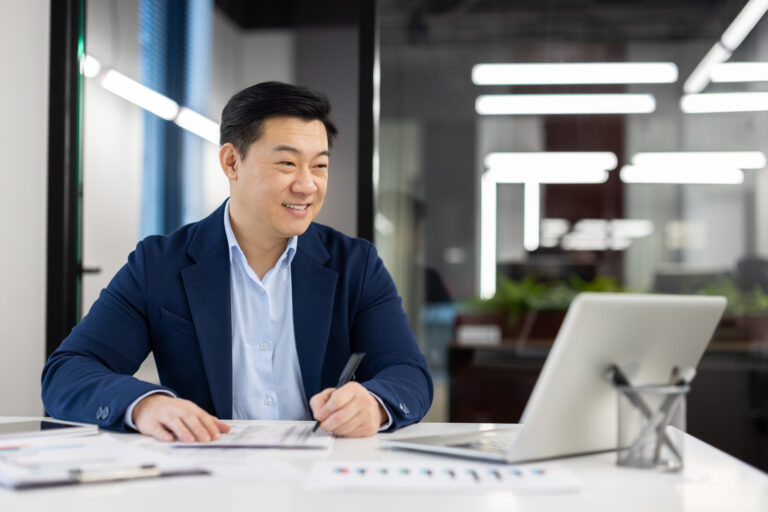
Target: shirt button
x,y
264,346
261,291
268,400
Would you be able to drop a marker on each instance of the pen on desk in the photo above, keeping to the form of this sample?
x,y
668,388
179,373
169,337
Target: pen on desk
x,y
346,374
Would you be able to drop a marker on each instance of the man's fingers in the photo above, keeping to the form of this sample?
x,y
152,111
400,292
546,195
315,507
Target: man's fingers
x,y
355,427
195,425
339,417
219,426
317,402
341,397
210,426
343,422
179,429
159,432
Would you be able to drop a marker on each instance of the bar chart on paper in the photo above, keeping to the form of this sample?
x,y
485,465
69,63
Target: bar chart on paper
x,y
357,475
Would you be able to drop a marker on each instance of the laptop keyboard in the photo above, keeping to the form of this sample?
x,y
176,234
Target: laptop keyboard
x,y
495,444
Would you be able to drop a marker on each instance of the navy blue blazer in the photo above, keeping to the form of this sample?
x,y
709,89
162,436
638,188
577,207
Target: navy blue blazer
x,y
173,298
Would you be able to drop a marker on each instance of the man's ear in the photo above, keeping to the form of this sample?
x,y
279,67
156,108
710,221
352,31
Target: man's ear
x,y
229,161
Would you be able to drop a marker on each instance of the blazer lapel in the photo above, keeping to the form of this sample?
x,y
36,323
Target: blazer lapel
x,y
208,292
313,287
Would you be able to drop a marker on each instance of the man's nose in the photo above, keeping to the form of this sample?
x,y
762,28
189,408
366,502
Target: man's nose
x,y
305,183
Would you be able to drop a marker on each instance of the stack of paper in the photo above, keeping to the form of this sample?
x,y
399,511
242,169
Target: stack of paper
x,y
32,463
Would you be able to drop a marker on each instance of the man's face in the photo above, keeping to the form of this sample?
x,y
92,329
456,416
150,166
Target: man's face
x,y
280,184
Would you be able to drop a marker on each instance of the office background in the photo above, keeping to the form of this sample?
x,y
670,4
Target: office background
x,y
431,148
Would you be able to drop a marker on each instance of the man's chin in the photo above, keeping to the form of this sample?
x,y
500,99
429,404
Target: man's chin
x,y
292,231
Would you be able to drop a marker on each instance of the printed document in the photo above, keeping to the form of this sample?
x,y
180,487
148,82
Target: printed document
x,y
289,436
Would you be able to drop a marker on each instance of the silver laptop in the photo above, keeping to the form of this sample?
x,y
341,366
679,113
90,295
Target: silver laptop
x,y
573,407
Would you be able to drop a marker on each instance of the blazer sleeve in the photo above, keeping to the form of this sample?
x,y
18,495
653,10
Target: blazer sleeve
x,y
89,377
380,328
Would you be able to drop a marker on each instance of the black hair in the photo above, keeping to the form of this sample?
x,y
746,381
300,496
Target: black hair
x,y
242,120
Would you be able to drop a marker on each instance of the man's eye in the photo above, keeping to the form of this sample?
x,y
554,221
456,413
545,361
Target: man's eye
x,y
321,166
285,162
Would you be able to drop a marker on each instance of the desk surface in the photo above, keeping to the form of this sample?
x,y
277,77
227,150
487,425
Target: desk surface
x,y
712,480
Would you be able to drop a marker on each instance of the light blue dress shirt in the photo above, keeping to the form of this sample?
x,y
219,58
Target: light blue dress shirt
x,y
265,366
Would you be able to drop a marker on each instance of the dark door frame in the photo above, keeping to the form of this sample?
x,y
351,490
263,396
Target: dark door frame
x,y
64,164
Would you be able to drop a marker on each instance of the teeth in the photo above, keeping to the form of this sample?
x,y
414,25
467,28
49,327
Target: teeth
x,y
295,207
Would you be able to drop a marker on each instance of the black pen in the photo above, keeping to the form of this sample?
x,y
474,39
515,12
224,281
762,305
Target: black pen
x,y
346,374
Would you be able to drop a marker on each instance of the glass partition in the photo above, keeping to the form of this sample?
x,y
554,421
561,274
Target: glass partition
x,y
531,150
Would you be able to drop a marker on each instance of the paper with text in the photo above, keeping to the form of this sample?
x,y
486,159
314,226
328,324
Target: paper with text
x,y
377,476
268,436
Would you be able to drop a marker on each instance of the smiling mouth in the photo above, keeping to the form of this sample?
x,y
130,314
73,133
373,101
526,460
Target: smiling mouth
x,y
299,207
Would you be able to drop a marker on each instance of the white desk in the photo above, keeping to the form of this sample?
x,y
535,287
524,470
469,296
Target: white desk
x,y
711,480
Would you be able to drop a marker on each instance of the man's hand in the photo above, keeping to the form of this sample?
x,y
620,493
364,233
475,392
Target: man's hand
x,y
165,418
349,411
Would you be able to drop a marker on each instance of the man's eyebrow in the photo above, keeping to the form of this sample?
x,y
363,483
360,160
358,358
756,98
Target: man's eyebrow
x,y
295,151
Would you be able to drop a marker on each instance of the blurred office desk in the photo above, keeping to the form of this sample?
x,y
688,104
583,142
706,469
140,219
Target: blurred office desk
x,y
711,480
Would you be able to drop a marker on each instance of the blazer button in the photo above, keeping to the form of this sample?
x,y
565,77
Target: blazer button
x,y
102,412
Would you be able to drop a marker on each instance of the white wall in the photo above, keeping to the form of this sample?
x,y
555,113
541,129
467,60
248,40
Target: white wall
x,y
113,147
326,59
24,41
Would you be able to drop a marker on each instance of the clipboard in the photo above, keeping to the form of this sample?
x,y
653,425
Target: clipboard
x,y
38,463
78,477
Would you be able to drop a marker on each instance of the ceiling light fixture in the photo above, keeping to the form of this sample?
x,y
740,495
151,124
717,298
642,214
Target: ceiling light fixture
x,y
141,95
733,36
546,104
718,102
682,175
198,124
575,73
151,101
90,67
740,72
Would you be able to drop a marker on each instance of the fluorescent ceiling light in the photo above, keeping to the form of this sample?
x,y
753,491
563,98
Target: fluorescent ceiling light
x,y
139,94
575,73
682,175
543,104
724,102
700,76
90,66
733,36
487,236
550,167
727,159
198,124
743,24
531,169
740,72
152,101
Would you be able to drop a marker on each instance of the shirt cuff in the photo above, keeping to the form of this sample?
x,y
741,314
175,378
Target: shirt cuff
x,y
129,411
388,424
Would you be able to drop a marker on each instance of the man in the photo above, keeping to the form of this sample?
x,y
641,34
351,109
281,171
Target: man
x,y
252,312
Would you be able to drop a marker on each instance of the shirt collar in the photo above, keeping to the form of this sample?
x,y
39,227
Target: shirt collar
x,y
234,247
